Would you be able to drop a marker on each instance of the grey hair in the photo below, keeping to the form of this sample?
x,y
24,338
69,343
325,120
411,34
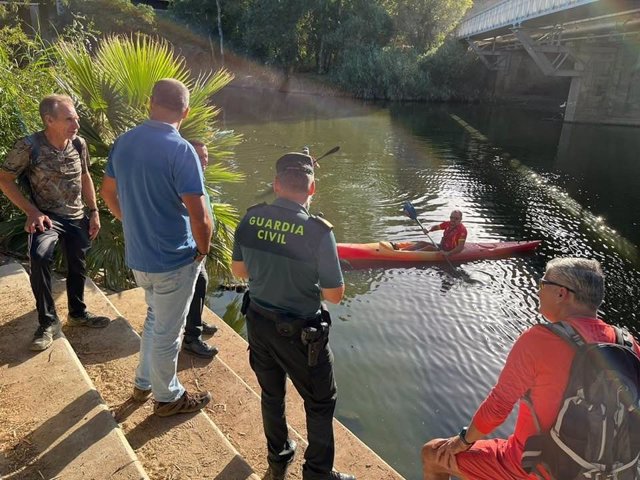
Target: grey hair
x,y
49,105
582,275
171,94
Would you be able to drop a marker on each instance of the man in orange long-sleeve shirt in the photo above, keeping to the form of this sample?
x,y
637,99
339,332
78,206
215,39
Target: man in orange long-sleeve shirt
x,y
571,290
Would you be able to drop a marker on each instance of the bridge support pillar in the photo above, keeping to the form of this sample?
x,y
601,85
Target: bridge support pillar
x,y
608,91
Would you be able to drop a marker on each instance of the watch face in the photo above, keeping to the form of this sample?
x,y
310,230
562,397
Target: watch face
x,y
463,436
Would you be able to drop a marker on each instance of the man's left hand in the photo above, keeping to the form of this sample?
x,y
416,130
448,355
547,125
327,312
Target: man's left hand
x,y
446,454
94,225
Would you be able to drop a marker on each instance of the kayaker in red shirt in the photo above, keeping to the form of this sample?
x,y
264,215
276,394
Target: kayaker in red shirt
x,y
453,238
571,290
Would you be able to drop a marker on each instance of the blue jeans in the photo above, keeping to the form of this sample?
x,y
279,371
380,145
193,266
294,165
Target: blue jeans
x,y
168,296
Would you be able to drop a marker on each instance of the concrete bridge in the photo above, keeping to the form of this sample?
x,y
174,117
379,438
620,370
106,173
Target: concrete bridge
x,y
588,50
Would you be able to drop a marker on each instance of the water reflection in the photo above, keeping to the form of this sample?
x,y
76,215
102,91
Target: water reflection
x,y
417,348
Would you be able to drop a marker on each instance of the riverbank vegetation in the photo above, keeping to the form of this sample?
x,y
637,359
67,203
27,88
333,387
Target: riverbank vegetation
x,y
110,79
374,49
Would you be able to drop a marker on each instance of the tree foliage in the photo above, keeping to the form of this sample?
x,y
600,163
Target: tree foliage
x,y
367,46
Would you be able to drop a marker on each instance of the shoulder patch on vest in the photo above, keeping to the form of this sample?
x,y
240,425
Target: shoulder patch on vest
x,y
325,223
261,204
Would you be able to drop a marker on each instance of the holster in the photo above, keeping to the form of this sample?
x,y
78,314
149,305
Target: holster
x,y
246,300
315,338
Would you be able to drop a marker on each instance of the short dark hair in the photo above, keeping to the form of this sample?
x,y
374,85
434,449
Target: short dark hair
x,y
49,104
295,180
171,94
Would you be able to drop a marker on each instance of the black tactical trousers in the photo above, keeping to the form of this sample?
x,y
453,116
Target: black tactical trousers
x,y
74,239
272,358
193,328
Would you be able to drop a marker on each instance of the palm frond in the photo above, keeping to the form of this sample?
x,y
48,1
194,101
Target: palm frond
x,y
136,64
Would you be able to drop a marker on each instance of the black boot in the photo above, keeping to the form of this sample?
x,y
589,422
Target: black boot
x,y
199,348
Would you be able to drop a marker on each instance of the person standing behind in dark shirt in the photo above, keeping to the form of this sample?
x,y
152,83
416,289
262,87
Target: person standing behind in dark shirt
x,y
196,326
291,262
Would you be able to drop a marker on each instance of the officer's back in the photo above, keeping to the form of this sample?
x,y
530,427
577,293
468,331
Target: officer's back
x,y
291,261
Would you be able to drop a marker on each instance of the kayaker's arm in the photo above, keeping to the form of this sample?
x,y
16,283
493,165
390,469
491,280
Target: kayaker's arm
x,y
458,248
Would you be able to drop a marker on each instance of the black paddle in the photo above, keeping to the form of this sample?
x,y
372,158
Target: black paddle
x,y
330,152
315,163
410,212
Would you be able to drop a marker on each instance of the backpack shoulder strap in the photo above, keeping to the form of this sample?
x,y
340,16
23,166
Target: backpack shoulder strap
x,y
34,143
78,144
567,333
623,337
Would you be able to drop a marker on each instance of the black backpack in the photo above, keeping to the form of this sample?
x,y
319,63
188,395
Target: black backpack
x,y
33,142
596,434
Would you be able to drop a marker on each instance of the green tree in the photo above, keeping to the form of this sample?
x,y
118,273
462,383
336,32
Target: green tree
x,y
24,79
272,30
424,24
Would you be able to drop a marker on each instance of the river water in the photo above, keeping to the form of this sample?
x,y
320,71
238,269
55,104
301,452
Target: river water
x,y
417,349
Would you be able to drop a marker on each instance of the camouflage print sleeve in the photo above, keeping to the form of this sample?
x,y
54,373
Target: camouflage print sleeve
x,y
18,158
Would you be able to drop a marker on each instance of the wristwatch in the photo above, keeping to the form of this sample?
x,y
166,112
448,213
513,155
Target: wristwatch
x,y
463,436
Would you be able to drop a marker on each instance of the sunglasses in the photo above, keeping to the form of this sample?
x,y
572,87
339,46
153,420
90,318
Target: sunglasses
x,y
544,282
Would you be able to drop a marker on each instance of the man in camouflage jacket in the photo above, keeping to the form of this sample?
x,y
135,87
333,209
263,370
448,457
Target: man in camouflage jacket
x,y
55,164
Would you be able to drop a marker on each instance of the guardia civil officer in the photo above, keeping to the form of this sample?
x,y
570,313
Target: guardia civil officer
x,y
291,262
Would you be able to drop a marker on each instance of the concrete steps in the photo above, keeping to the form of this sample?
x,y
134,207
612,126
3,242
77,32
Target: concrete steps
x,y
183,446
73,434
54,424
236,402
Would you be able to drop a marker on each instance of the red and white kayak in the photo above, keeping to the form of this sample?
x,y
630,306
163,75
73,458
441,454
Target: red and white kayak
x,y
385,251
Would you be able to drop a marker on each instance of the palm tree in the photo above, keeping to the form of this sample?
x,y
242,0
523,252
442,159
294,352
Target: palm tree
x,y
111,89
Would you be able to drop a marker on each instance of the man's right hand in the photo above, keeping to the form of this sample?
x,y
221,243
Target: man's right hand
x,y
37,222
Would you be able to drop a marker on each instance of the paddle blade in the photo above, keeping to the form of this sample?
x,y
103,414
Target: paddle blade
x,y
409,210
330,152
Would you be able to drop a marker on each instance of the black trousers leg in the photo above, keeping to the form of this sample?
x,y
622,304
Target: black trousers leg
x,y
75,242
272,358
272,379
41,249
193,327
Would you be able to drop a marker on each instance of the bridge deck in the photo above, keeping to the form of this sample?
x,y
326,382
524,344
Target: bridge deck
x,y
499,18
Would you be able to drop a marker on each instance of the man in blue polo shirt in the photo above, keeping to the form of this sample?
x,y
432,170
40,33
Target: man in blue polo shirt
x,y
153,183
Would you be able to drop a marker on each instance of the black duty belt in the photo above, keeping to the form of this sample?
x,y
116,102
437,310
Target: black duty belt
x,y
286,325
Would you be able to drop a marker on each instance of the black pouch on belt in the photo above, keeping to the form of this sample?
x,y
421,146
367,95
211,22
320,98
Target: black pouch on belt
x,y
286,328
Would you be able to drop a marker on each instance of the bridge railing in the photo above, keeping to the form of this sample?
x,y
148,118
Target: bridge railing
x,y
513,12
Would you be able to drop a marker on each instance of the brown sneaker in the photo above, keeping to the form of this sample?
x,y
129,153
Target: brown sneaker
x,y
187,403
139,395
